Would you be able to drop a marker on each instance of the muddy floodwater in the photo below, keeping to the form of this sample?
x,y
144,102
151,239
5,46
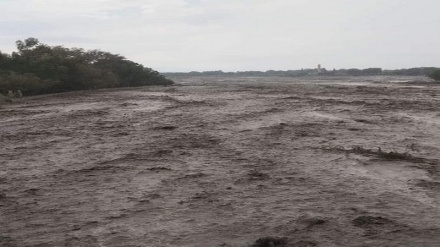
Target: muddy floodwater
x,y
232,162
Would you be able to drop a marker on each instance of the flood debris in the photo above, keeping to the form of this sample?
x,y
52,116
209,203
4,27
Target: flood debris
x,y
166,127
314,221
432,185
270,242
257,175
162,152
368,221
159,169
380,153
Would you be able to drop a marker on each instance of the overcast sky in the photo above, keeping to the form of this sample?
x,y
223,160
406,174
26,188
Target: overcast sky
x,y
234,35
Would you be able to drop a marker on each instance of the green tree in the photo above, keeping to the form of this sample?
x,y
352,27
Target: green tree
x,y
26,44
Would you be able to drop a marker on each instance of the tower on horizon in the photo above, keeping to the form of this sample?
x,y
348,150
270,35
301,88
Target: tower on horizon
x,y
319,68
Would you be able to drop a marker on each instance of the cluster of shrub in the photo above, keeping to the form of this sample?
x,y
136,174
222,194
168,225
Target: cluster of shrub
x,y
435,75
37,68
431,72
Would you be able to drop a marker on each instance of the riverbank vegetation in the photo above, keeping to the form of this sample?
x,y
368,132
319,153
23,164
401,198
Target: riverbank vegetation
x,y
37,68
435,75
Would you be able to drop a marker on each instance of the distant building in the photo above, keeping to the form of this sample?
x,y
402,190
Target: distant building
x,y
319,68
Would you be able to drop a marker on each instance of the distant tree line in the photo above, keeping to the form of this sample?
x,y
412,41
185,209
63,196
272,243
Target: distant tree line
x,y
37,68
424,71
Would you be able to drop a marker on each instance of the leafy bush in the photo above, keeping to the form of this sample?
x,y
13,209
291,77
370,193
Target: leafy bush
x,y
4,99
27,83
435,75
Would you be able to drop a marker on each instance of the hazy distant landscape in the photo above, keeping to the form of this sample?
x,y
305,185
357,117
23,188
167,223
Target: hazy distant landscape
x,y
225,161
424,71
